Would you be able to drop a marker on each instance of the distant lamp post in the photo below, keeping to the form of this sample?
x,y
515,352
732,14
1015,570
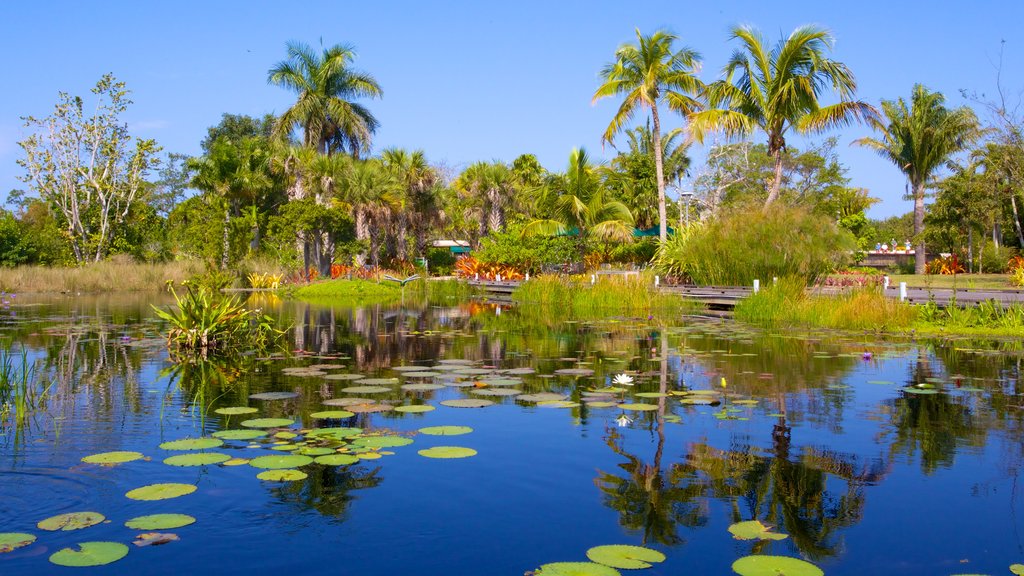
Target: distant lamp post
x,y
687,196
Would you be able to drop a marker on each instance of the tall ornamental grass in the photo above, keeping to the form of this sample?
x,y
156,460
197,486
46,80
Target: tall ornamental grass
x,y
738,248
574,296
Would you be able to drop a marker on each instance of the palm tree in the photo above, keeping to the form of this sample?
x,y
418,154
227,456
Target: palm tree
x,y
419,206
777,90
491,186
632,172
919,140
647,73
372,192
326,84
578,200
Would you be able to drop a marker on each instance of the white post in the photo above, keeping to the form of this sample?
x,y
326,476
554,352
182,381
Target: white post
x,y
476,276
757,286
657,281
593,279
775,279
903,291
497,277
497,311
527,277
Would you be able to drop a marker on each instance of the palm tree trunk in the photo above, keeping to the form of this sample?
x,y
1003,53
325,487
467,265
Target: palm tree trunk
x,y
920,258
226,246
773,193
659,172
1016,219
362,233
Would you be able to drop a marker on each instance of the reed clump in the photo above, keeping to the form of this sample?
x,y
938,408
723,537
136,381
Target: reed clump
x,y
616,296
115,275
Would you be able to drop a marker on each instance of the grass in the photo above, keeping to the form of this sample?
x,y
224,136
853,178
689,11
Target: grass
x,y
959,281
344,291
625,296
22,390
107,276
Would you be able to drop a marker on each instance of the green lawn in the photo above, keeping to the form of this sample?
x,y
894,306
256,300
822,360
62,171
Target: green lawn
x,y
998,281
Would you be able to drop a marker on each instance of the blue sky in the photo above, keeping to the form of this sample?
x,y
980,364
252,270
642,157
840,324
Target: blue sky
x,y
468,81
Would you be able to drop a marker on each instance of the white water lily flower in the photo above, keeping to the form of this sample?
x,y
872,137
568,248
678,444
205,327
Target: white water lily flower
x,y
623,420
623,380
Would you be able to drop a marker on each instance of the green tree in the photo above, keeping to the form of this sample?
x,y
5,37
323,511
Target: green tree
x,y
327,87
920,138
418,201
490,188
87,168
238,126
646,73
632,175
372,192
778,89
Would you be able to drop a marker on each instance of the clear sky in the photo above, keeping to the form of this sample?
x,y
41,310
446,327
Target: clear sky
x,y
469,81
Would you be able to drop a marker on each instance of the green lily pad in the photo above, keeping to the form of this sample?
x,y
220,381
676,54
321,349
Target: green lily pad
x,y
576,569
160,521
332,415
336,460
348,401
378,381
160,491
467,403
557,404
1017,569
280,462
238,434
422,374
90,554
277,395
610,390
774,566
445,430
410,368
925,391
625,556
497,392
425,387
575,372
698,401
602,404
192,444
282,475
651,395
754,530
382,441
414,408
366,390
71,521
447,452
10,541
370,408
236,410
540,397
111,458
343,377
316,451
267,422
198,459
639,407
284,447
502,381
334,433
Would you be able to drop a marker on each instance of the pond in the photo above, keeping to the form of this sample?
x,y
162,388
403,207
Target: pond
x,y
871,455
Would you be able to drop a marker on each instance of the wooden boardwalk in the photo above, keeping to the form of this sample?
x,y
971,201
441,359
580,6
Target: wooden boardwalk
x,y
727,296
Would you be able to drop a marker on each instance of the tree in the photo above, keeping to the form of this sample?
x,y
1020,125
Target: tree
x,y
777,90
632,175
490,187
326,85
371,191
647,73
920,139
239,126
418,198
577,201
86,167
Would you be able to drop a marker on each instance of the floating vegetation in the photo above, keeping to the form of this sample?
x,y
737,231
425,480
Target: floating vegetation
x,y
467,403
200,459
414,408
369,408
348,401
541,397
332,415
274,396
382,441
267,422
239,434
421,387
447,452
336,460
445,430
163,491
71,521
112,458
90,554
576,569
754,530
638,407
236,410
285,475
154,539
758,565
11,541
343,377
160,522
625,556
334,433
280,462
193,444
366,390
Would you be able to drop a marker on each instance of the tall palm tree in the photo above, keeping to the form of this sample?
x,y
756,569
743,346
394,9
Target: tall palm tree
x,y
419,208
647,73
491,187
777,90
327,86
919,139
578,199
632,172
372,192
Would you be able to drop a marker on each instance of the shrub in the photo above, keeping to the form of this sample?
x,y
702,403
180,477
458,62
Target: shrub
x,y
743,246
440,261
510,248
948,265
996,259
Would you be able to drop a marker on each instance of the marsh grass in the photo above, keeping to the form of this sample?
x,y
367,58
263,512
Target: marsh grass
x,y
23,390
617,296
356,291
788,304
117,275
985,316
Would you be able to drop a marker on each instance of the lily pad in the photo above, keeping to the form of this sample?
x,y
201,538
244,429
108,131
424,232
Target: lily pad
x,y
154,539
638,407
236,462
111,458
1017,569
424,387
348,401
71,521
238,434
10,541
651,395
557,404
236,410
332,415
497,392
160,491
699,401
336,460
160,522
275,395
473,371
602,404
378,381
382,441
774,566
422,374
366,390
343,377
540,397
282,475
199,459
467,403
316,451
414,408
334,433
90,554
447,452
193,444
625,556
370,408
445,430
267,422
754,530
925,391
576,569
502,381
574,372
410,368
276,462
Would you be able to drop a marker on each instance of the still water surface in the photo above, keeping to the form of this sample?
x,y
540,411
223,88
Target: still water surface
x,y
825,436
